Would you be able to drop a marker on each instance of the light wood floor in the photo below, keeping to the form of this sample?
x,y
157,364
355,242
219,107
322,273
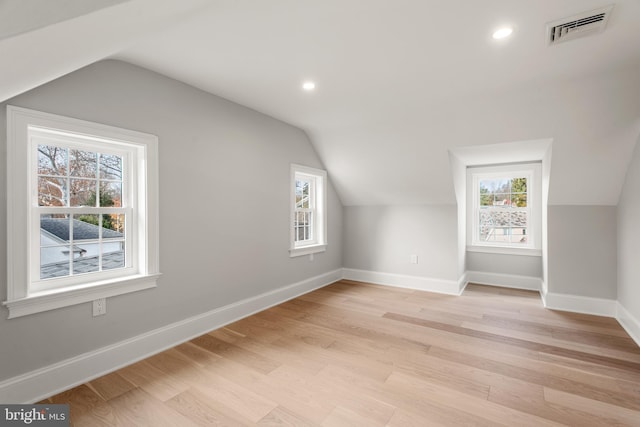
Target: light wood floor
x,y
355,354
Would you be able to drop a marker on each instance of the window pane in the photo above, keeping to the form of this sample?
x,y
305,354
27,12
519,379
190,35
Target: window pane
x,y
519,185
112,255
486,199
86,227
508,226
493,224
519,219
298,192
503,192
499,185
110,167
303,226
86,257
299,234
302,194
112,226
519,200
494,192
519,235
54,262
52,160
486,225
111,194
54,246
500,199
98,243
54,229
52,191
83,192
83,163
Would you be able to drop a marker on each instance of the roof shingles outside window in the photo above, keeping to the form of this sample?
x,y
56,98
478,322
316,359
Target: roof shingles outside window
x,y
82,231
59,227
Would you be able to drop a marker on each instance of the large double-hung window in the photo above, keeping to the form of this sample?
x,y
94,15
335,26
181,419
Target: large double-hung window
x,y
82,217
84,208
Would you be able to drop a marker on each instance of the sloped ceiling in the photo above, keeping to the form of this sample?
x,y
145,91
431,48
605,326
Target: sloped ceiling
x,y
36,49
399,83
21,16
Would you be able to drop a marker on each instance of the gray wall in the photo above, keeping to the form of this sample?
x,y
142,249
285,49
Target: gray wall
x,y
629,238
582,251
505,264
382,238
224,209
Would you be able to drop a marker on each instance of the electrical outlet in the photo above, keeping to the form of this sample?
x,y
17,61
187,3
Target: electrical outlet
x,y
413,259
99,307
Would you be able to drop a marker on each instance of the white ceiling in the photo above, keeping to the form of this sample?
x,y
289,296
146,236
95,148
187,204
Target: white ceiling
x,y
399,83
20,16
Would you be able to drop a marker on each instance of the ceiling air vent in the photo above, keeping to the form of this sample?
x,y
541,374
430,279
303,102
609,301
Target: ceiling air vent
x,y
581,25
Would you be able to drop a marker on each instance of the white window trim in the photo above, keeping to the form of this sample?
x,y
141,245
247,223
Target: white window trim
x,y
21,298
533,172
319,243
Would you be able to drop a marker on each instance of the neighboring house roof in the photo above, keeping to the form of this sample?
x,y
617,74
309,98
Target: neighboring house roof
x,y
59,227
83,265
51,236
503,219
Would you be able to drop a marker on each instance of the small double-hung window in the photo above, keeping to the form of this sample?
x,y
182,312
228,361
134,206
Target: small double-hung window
x,y
308,210
82,220
505,209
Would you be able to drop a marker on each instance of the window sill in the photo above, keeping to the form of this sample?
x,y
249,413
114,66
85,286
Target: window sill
x,y
50,300
505,250
306,250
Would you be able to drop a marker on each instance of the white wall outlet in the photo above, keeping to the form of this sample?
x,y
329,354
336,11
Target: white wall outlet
x,y
310,257
99,307
413,259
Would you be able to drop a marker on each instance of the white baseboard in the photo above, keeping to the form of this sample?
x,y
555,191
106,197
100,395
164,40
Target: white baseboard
x,y
44,382
504,280
420,283
629,322
580,304
462,283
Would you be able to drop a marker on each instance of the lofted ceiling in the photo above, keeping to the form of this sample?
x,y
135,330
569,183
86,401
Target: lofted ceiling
x,y
398,83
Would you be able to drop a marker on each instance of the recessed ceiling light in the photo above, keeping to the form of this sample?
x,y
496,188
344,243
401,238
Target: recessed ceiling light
x,y
502,33
308,86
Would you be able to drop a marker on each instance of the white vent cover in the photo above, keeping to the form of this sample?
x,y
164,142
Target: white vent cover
x,y
581,25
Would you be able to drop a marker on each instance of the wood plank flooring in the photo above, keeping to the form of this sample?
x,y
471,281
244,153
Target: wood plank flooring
x,y
355,354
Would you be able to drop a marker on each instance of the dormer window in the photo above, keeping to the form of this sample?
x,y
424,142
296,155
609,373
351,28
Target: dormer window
x,y
504,208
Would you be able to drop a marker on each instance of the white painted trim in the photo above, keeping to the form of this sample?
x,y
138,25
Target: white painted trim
x,y
504,280
428,284
504,250
58,298
307,250
629,322
580,304
463,281
39,384
319,178
26,293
